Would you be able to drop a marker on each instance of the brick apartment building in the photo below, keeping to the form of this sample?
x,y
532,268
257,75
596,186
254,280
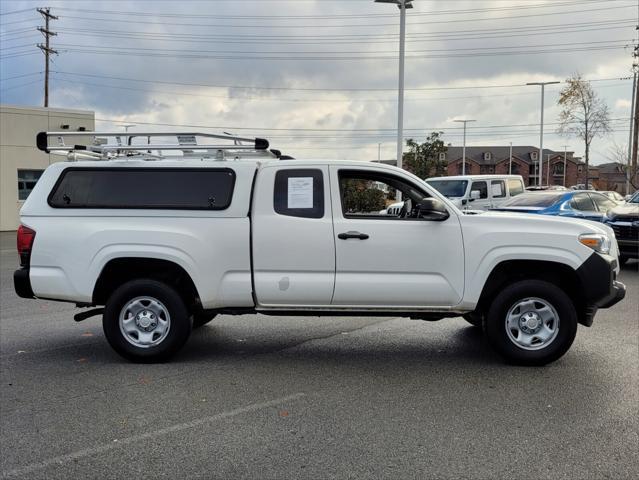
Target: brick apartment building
x,y
525,162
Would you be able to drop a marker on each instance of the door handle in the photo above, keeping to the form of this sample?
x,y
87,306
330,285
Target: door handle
x,y
347,235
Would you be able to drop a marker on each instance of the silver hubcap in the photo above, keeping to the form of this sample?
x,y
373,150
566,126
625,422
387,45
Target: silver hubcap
x,y
532,323
144,322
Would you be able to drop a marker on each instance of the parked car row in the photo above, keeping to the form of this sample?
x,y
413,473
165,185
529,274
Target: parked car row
x,y
622,217
474,194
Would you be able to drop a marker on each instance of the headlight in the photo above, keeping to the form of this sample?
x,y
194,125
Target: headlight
x,y
597,241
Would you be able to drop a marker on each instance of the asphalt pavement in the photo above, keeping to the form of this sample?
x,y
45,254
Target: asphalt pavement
x,y
264,397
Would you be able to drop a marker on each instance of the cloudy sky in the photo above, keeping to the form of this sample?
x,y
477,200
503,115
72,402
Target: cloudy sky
x,y
319,77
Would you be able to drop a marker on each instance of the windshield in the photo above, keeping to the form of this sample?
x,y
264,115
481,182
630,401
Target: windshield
x,y
534,200
449,188
635,198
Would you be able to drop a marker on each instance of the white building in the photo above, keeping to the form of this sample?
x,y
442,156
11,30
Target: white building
x,y
21,163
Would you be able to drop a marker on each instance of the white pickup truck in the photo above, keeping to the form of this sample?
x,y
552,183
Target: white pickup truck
x,y
165,244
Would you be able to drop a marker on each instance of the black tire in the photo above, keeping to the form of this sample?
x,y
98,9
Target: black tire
x,y
179,325
474,319
201,319
497,332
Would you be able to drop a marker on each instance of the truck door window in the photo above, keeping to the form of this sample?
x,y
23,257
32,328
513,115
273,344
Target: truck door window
x,y
373,195
498,188
482,187
299,192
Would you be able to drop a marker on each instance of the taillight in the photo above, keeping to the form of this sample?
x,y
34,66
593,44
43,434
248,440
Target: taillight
x,y
26,236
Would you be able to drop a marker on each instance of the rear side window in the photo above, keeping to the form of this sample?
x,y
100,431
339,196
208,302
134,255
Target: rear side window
x,y
299,192
144,188
515,187
582,202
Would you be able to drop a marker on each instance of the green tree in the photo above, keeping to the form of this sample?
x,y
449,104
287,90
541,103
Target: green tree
x,y
423,158
585,115
362,196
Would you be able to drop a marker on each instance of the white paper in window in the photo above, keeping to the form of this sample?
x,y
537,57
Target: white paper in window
x,y
300,192
497,190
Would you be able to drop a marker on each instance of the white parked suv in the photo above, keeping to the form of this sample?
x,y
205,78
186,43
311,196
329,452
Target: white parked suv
x,y
478,192
164,244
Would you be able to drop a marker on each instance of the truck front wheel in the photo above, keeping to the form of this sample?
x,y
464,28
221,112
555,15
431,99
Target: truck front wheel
x,y
531,322
146,321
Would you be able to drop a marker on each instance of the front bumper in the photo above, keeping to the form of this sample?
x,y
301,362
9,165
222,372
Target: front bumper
x,y
617,294
600,288
22,283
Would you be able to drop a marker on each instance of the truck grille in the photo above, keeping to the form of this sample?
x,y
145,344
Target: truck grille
x,y
625,231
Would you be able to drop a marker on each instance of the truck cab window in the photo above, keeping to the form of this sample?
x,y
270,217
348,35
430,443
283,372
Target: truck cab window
x,y
373,195
299,192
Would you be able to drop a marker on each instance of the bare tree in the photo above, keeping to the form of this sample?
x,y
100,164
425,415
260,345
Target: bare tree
x,y
585,115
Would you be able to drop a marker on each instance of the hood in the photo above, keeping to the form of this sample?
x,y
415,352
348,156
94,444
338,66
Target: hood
x,y
627,211
551,221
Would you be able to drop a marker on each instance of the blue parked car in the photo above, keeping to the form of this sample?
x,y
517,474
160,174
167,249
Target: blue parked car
x,y
577,204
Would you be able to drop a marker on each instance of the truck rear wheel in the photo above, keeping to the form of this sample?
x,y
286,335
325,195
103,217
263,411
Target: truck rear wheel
x,y
146,321
531,322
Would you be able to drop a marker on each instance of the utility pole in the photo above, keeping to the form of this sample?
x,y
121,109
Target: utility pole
x,y
548,171
464,147
46,48
565,154
635,129
631,135
510,160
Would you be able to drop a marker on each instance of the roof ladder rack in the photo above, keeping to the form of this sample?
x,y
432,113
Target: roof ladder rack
x,y
99,148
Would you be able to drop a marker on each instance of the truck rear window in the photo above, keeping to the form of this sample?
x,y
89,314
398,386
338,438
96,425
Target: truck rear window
x,y
144,188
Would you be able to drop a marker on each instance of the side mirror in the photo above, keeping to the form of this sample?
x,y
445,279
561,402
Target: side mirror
x,y
475,195
432,209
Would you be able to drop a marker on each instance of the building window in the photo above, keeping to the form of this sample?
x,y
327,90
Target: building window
x,y
533,155
515,168
558,169
487,156
442,156
27,180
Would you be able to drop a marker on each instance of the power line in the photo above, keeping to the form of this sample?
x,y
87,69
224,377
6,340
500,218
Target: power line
x,y
358,52
308,89
369,15
271,129
120,52
297,37
354,25
16,11
280,99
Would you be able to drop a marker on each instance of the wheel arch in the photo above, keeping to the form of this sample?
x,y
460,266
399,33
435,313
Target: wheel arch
x,y
560,274
123,269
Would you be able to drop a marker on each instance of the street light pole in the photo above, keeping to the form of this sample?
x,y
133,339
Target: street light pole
x,y
464,145
402,5
541,132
